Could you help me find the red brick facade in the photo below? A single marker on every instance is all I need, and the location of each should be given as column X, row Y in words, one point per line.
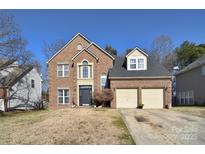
column 100, row 67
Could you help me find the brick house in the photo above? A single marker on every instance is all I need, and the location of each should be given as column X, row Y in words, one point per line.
column 82, row 67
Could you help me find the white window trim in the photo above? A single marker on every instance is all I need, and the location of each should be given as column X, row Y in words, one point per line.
column 79, row 68
column 81, row 47
column 33, row 83
column 187, row 97
column 102, row 77
column 64, row 96
column 138, row 64
column 63, row 68
column 139, row 57
column 133, row 63
column 82, row 67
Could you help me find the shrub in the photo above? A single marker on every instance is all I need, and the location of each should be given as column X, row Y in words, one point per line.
column 103, row 97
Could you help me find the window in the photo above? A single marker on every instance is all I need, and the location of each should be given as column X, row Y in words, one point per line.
column 62, row 70
column 203, row 70
column 63, row 96
column 191, row 97
column 32, row 83
column 91, row 72
column 103, row 81
column 133, row 64
column 85, row 71
column 137, row 63
column 187, row 97
column 79, row 47
column 183, row 98
column 140, row 63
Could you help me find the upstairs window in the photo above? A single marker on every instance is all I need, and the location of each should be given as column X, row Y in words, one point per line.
column 85, row 71
column 140, row 63
column 32, row 83
column 133, row 64
column 62, row 70
column 103, row 82
column 137, row 63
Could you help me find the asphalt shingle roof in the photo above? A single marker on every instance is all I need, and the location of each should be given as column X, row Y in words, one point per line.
column 199, row 62
column 14, row 76
column 154, row 69
column 4, row 63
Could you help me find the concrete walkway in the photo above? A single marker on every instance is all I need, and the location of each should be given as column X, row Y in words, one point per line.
column 164, row 127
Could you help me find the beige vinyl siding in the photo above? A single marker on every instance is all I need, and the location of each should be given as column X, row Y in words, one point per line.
column 152, row 98
column 126, row 98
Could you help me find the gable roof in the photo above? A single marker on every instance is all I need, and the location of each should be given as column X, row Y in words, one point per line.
column 14, row 76
column 4, row 63
column 101, row 50
column 78, row 34
column 154, row 70
column 140, row 50
column 85, row 49
column 197, row 63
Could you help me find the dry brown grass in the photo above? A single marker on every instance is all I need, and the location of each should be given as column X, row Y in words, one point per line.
column 65, row 126
column 193, row 110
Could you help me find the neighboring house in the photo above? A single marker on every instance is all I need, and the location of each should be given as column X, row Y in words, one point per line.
column 20, row 86
column 190, row 83
column 82, row 67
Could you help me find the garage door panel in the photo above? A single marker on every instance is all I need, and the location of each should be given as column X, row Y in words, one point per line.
column 152, row 98
column 126, row 98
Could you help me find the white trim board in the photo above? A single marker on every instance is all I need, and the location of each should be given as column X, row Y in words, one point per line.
column 78, row 34
column 151, row 77
column 85, row 49
column 91, row 43
column 140, row 50
column 101, row 50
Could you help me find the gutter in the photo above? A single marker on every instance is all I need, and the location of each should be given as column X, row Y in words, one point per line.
column 152, row 77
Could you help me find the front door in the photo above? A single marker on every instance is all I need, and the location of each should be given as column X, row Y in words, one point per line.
column 85, row 95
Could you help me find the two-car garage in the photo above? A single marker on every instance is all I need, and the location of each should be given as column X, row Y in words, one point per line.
column 129, row 98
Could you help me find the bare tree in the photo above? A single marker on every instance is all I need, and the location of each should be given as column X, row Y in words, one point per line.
column 49, row 49
column 170, row 60
column 12, row 45
column 161, row 46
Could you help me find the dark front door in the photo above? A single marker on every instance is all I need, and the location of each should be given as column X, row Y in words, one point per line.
column 85, row 95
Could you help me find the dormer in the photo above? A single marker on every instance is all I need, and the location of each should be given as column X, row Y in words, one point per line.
column 136, row 60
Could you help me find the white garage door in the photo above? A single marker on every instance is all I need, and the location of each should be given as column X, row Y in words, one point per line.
column 152, row 98
column 126, row 98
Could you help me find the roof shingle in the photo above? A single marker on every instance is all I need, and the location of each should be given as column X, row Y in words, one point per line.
column 154, row 70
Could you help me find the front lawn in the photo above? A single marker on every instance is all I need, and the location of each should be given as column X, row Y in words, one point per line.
column 193, row 110
column 64, row 126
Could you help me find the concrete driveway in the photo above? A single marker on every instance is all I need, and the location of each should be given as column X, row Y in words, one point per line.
column 164, row 127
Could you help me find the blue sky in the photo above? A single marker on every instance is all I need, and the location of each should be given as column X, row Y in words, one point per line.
column 121, row 28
